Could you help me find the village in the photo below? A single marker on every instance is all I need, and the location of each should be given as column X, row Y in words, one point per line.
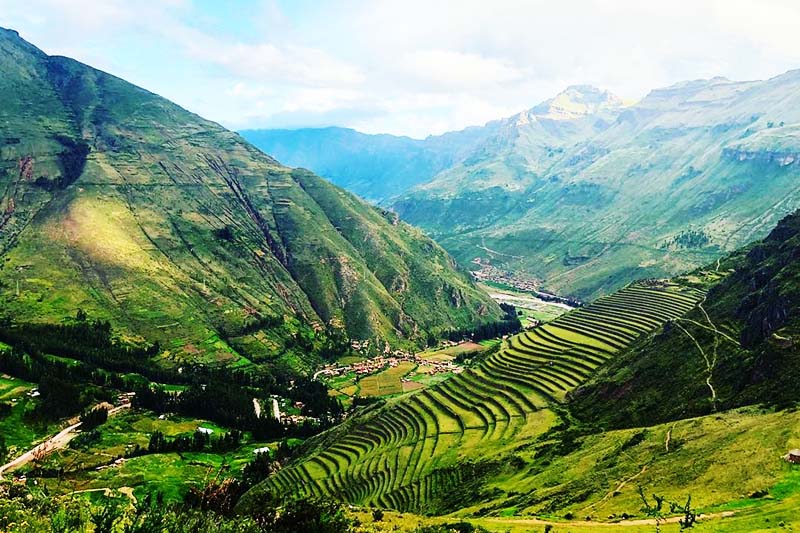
column 382, row 362
column 488, row 272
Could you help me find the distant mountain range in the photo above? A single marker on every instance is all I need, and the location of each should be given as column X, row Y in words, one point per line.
column 583, row 191
column 118, row 202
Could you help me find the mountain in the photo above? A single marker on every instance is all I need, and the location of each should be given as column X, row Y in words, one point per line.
column 440, row 450
column 681, row 388
column 118, row 202
column 739, row 347
column 375, row 167
column 585, row 192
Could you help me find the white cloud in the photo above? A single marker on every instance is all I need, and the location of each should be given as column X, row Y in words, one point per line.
column 451, row 69
column 417, row 66
column 267, row 62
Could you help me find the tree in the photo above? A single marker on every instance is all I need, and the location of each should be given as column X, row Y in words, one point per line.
column 655, row 510
column 93, row 418
column 689, row 514
column 104, row 517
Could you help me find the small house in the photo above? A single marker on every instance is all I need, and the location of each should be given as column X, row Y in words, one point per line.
column 793, row 456
column 206, row 431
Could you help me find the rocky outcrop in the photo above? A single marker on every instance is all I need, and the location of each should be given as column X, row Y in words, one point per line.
column 779, row 158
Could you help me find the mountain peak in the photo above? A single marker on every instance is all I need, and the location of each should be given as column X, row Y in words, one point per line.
column 577, row 101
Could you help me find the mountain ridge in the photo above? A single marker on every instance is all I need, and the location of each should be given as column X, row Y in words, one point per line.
column 119, row 202
column 594, row 200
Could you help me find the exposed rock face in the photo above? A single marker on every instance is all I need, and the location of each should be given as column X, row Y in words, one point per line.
column 781, row 159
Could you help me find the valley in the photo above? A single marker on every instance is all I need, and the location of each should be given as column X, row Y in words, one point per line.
column 501, row 402
column 582, row 317
column 585, row 192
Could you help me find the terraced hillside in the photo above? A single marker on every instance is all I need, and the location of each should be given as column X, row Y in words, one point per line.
column 412, row 453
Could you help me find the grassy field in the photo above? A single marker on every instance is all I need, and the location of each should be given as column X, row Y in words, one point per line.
column 18, row 432
column 449, row 353
column 729, row 463
column 526, row 302
column 386, row 383
column 12, row 388
column 170, row 473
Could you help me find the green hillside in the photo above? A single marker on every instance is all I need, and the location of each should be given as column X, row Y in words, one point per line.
column 739, row 347
column 115, row 201
column 437, row 451
column 683, row 389
column 686, row 175
column 585, row 192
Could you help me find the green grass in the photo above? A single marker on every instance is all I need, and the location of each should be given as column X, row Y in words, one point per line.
column 13, row 388
column 386, row 382
column 477, row 417
column 170, row 473
column 185, row 234
column 19, row 432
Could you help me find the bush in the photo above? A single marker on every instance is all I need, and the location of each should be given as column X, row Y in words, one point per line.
column 85, row 439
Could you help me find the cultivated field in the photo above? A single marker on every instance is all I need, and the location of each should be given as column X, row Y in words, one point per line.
column 387, row 382
column 417, row 450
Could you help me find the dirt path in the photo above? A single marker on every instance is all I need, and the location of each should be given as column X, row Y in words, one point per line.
column 668, row 438
column 128, row 491
column 709, row 364
column 616, row 489
column 257, row 408
column 57, row 441
column 594, row 524
column 483, row 247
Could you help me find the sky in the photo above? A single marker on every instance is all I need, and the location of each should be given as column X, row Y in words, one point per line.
column 406, row 67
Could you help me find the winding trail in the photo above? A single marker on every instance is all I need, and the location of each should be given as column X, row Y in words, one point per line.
column 616, row 489
column 709, row 366
column 668, row 438
column 57, row 441
column 712, row 362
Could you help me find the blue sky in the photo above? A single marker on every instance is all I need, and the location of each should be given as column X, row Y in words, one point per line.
column 413, row 67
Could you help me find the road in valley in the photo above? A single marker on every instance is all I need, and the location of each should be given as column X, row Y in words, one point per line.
column 57, row 441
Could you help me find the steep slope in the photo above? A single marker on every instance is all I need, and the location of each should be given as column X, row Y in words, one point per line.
column 572, row 423
column 431, row 451
column 586, row 193
column 375, row 167
column 690, row 172
column 119, row 202
column 738, row 348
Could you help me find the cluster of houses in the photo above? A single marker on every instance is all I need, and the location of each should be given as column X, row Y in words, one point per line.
column 363, row 347
column 489, row 272
column 114, row 464
column 283, row 416
column 382, row 362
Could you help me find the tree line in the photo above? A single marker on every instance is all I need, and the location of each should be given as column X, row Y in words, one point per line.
column 508, row 325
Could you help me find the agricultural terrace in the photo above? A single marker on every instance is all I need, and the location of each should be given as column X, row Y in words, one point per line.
column 415, row 448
